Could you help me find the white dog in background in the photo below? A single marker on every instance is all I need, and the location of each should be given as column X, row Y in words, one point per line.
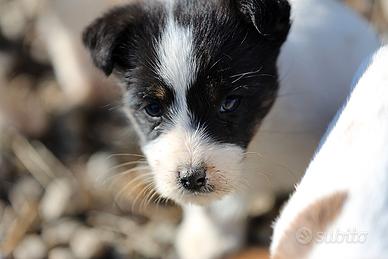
column 340, row 208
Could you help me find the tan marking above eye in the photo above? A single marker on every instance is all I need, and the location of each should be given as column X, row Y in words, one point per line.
column 159, row 92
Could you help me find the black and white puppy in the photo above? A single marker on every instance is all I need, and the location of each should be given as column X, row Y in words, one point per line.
column 200, row 78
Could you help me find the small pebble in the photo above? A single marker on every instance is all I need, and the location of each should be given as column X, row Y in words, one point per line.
column 25, row 190
column 61, row 253
column 86, row 244
column 32, row 247
column 57, row 199
column 60, row 232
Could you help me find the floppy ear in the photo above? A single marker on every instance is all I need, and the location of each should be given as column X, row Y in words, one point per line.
column 101, row 37
column 271, row 18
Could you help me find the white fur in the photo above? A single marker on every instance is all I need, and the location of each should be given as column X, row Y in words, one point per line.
column 177, row 63
column 353, row 159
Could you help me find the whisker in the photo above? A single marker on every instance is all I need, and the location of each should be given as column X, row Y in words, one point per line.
column 141, row 178
column 158, row 200
column 151, row 199
column 129, row 171
column 128, row 163
column 242, row 75
column 246, row 35
column 260, row 75
column 148, row 199
column 239, row 87
column 125, row 154
column 147, row 188
column 215, row 63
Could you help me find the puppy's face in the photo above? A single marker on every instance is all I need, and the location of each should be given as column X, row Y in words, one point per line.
column 199, row 76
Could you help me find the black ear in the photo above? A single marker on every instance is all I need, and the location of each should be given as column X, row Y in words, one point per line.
column 271, row 18
column 103, row 35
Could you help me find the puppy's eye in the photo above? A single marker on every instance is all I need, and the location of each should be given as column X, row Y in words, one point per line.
column 230, row 104
column 154, row 109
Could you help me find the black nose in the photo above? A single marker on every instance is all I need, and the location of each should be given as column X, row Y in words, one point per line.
column 194, row 179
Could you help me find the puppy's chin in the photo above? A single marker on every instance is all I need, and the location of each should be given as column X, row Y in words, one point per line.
column 201, row 199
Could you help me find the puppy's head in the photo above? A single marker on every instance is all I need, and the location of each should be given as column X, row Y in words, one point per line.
column 199, row 77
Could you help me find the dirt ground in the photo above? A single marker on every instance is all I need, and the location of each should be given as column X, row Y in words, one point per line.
column 69, row 163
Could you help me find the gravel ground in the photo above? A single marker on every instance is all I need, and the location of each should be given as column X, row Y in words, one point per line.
column 71, row 182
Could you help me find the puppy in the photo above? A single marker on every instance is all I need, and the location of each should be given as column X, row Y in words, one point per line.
column 339, row 209
column 218, row 101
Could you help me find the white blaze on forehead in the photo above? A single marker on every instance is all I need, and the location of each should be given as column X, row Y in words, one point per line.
column 177, row 64
column 176, row 60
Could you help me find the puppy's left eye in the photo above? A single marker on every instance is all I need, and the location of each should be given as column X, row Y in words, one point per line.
column 154, row 109
column 230, row 104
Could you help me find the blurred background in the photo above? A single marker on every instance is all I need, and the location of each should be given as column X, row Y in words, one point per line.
column 70, row 169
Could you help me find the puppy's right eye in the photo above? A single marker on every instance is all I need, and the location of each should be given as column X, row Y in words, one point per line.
column 154, row 109
column 230, row 104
